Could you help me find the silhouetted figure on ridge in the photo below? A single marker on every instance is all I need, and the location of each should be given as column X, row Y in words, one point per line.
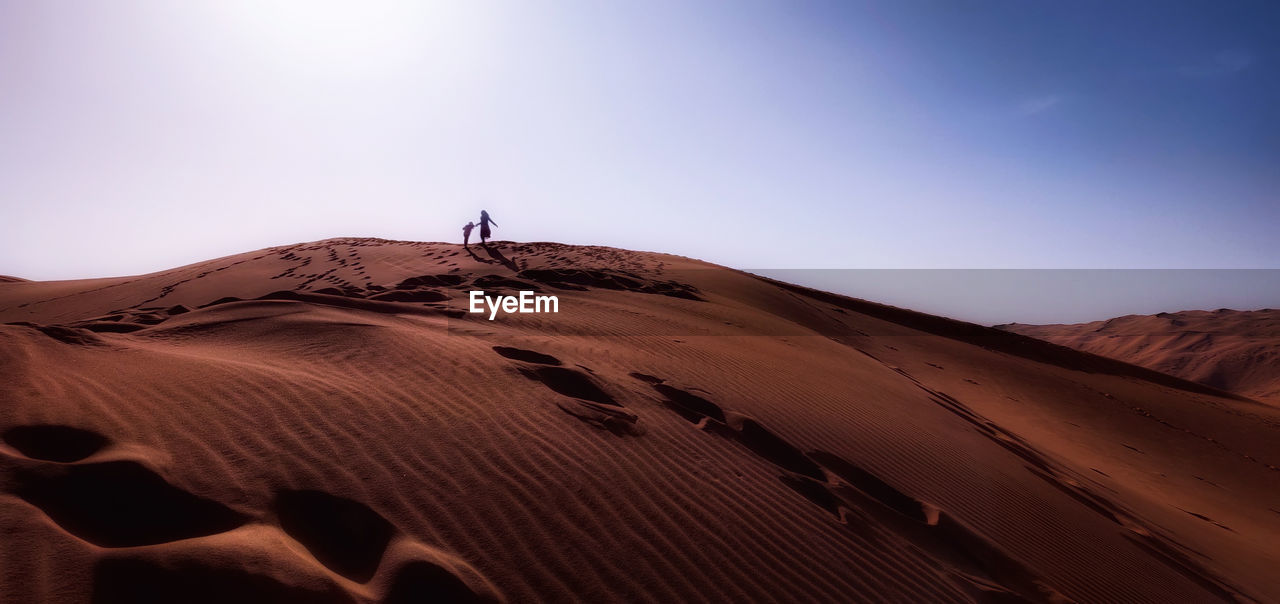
column 466, row 232
column 484, row 226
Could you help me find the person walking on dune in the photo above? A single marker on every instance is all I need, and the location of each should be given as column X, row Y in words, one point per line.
column 484, row 226
column 466, row 232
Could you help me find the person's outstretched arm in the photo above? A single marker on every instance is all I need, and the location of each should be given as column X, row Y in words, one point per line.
column 495, row 222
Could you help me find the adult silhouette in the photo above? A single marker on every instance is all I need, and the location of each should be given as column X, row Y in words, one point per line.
column 484, row 226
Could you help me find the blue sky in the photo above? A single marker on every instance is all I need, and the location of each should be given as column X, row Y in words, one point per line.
column 142, row 135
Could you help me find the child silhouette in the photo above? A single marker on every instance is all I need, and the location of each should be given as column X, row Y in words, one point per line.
column 466, row 232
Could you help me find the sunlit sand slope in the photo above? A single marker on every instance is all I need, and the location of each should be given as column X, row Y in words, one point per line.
column 325, row 422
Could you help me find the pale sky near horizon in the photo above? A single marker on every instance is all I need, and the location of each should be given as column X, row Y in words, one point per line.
column 137, row 136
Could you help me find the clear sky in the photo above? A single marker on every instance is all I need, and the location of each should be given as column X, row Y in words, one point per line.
column 137, row 136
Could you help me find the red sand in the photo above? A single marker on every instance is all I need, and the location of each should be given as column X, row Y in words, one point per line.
column 273, row 427
column 1237, row 351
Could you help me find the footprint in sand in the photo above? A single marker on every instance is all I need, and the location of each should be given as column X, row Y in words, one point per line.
column 863, row 501
column 121, row 504
column 169, row 545
column 343, row 534
column 54, row 442
column 352, row 540
column 527, row 356
column 580, row 279
column 66, row 335
column 586, row 400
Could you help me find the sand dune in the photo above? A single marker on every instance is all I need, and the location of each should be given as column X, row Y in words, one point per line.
column 324, row 422
column 1237, row 351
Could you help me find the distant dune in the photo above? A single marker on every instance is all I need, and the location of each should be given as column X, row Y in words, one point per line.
column 325, row 422
column 8, row 279
column 1237, row 351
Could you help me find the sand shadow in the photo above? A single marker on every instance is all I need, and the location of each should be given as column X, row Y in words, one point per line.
column 475, row 257
column 344, row 535
column 422, row 581
column 52, row 442
column 122, row 504
column 496, row 254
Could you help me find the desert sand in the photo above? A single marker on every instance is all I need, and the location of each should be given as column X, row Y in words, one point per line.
column 323, row 422
column 1235, row 350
